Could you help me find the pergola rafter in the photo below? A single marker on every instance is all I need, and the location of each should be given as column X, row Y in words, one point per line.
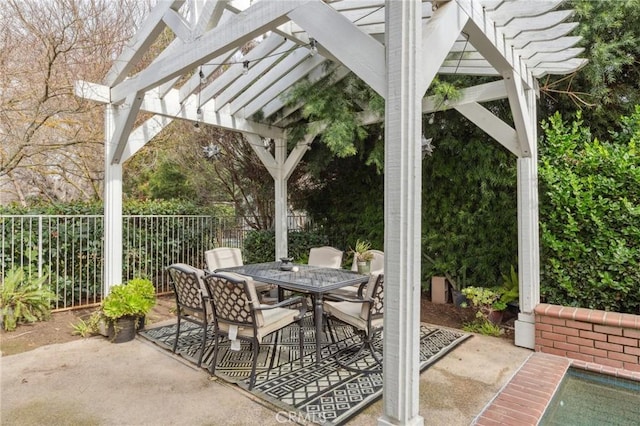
column 397, row 48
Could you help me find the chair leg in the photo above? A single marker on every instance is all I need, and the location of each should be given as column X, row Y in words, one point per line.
column 252, row 380
column 203, row 343
column 212, row 367
column 301, row 342
column 366, row 344
column 275, row 349
column 175, row 343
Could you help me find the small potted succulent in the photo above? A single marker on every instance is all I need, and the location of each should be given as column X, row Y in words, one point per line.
column 362, row 256
column 124, row 307
column 122, row 312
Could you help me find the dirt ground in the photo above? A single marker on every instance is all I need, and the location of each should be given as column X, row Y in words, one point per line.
column 59, row 330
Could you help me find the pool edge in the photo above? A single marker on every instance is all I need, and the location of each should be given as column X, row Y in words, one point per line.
column 525, row 397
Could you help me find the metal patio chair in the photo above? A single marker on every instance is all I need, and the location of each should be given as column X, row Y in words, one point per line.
column 365, row 315
column 228, row 257
column 192, row 301
column 326, row 257
column 239, row 315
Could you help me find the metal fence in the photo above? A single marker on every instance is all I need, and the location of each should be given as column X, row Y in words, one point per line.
column 69, row 249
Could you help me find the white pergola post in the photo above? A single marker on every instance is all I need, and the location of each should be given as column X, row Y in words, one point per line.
column 528, row 239
column 112, row 267
column 402, row 218
column 280, row 183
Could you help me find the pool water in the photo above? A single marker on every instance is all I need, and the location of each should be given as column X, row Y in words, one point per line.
column 585, row 398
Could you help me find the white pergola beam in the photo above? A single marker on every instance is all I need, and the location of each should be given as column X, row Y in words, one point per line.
column 169, row 106
column 140, row 43
column 143, row 134
column 521, row 114
column 266, row 48
column 492, row 125
column 178, row 25
column 492, row 44
column 124, row 123
column 238, row 30
column 440, row 33
column 402, row 215
column 358, row 51
column 280, row 86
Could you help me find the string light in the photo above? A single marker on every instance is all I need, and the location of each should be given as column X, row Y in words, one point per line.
column 245, row 67
column 313, row 48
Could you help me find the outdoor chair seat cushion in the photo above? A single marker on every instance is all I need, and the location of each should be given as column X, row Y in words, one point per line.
column 351, row 290
column 350, row 313
column 273, row 320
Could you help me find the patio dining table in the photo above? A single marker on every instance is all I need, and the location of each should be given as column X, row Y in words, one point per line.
column 308, row 279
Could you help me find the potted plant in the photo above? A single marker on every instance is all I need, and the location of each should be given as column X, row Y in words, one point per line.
column 362, row 256
column 489, row 309
column 124, row 307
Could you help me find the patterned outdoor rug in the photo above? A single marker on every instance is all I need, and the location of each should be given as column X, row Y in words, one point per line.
column 325, row 393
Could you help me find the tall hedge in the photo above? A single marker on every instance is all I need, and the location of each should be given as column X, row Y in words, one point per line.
column 590, row 216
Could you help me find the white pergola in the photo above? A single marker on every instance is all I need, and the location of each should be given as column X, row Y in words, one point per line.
column 397, row 48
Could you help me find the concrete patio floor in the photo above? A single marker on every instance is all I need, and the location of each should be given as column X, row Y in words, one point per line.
column 94, row 382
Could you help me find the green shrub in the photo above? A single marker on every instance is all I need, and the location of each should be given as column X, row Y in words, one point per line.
column 24, row 300
column 590, row 216
column 260, row 246
column 136, row 298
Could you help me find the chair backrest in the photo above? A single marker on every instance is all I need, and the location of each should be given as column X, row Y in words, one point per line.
column 188, row 286
column 326, row 257
column 222, row 257
column 377, row 263
column 234, row 299
column 375, row 292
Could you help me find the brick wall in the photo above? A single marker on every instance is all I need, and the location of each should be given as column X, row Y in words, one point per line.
column 607, row 338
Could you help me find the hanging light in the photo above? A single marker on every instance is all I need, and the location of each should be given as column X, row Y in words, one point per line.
column 201, row 74
column 313, row 46
column 196, row 126
column 245, row 67
column 212, row 151
column 427, row 147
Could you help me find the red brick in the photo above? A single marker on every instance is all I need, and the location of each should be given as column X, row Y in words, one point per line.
column 630, row 321
column 554, row 351
column 582, row 315
column 565, row 330
column 632, row 351
column 580, row 325
column 544, row 342
column 609, row 346
column 485, row 421
column 612, row 319
column 609, row 362
column 553, row 310
column 593, row 336
column 566, row 346
column 632, row 367
column 554, row 336
column 515, row 411
column 607, row 329
column 634, row 334
column 580, row 357
column 552, row 320
column 597, row 317
column 543, row 327
column 593, row 351
column 580, row 341
column 624, row 341
column 623, row 357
